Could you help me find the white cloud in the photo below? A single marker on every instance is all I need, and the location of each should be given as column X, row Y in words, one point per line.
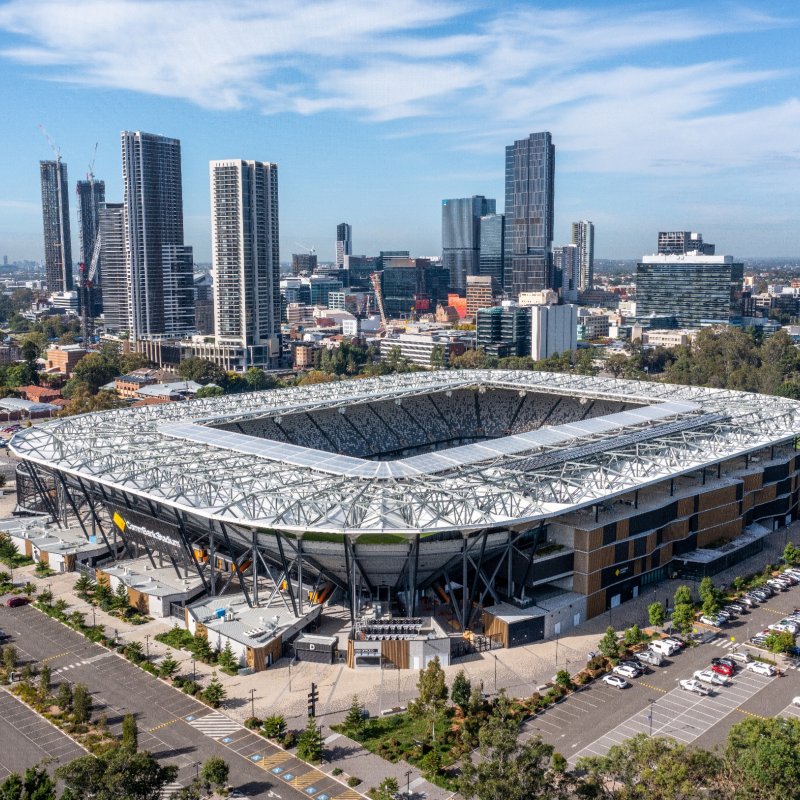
column 597, row 77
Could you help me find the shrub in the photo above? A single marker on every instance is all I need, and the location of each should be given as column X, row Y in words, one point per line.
column 274, row 727
column 352, row 781
column 252, row 723
column 336, row 771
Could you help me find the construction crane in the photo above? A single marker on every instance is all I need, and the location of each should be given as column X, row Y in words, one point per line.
column 375, row 279
column 90, row 173
column 88, row 277
column 56, row 149
column 312, row 251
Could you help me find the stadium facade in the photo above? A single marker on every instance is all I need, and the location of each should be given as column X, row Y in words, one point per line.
column 519, row 503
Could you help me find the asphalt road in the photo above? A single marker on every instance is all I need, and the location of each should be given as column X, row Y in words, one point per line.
column 594, row 718
column 176, row 728
column 27, row 739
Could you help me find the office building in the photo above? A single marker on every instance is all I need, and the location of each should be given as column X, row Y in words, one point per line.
column 159, row 264
column 504, row 330
column 567, row 266
column 116, row 305
column 55, row 216
column 530, row 167
column 304, row 263
column 461, row 236
column 359, row 268
column 245, row 257
column 678, row 243
column 344, row 243
column 554, row 330
column 490, row 259
column 583, row 239
column 697, row 290
column 480, row 293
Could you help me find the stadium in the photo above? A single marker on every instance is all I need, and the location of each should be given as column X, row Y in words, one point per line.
column 510, row 504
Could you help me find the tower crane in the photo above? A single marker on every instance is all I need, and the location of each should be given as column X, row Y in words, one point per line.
column 90, row 173
column 56, row 149
column 375, row 279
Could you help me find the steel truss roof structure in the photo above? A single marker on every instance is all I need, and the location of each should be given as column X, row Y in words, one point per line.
column 170, row 454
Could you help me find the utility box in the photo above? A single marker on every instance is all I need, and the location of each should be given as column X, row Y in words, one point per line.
column 319, row 649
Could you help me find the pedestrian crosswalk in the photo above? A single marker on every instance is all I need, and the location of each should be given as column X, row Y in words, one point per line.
column 726, row 643
column 214, row 725
column 170, row 790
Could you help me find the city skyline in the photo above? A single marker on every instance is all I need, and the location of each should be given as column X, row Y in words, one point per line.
column 638, row 103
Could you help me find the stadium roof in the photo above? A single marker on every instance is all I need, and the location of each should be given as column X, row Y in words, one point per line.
column 170, row 455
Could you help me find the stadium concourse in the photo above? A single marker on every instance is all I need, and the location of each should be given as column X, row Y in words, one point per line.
column 513, row 505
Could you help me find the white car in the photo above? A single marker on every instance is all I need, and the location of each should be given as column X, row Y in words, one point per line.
column 796, row 701
column 783, row 627
column 714, row 622
column 616, row 681
column 761, row 668
column 691, row 685
column 625, row 671
column 714, row 678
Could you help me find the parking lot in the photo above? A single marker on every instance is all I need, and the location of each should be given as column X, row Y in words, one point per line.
column 595, row 718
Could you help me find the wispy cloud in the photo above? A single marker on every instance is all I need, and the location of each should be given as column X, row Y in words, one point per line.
column 435, row 67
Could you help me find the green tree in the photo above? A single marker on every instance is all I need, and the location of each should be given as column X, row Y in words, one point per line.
column 632, row 635
column 227, row 660
column 437, row 356
column 9, row 658
column 683, row 617
column 609, row 644
column 509, row 770
column 168, row 667
column 130, row 733
column 29, row 588
column 215, row 770
column 563, row 678
column 655, row 768
column 791, row 554
column 64, row 697
column 215, row 692
column 309, row 743
column 388, row 789
column 119, row 599
column 134, row 652
column 354, row 719
column 44, row 682
column 200, row 648
column 209, row 391
column 45, row 598
column 35, row 784
column 762, row 757
column 83, row 586
column 93, row 371
column 258, row 380
column 103, row 595
column 710, row 596
column 460, row 691
column 274, row 727
column 656, row 614
column 683, row 594
column 200, row 370
column 81, row 704
column 119, row 774
column 431, row 688
column 779, row 642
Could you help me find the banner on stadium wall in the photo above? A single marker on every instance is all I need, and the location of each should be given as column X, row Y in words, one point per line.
column 148, row 532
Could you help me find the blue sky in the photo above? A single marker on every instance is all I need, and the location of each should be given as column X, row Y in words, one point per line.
column 664, row 116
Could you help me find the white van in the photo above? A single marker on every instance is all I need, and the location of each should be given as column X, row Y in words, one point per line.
column 664, row 648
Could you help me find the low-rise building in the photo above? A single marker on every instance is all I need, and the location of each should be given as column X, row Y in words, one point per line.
column 554, row 330
column 63, row 357
column 592, row 325
column 667, row 338
column 128, row 385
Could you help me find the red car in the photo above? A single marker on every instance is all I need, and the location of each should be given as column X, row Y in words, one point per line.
column 13, row 602
column 722, row 669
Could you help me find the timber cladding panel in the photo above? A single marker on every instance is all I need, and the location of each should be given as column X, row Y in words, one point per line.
column 766, row 494
column 755, row 480
column 595, row 604
column 623, row 528
column 717, row 497
column 492, row 626
column 139, row 600
column 397, row 651
column 351, row 654
column 685, row 506
column 717, row 516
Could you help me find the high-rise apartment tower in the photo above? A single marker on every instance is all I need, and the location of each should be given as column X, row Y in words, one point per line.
column 55, row 216
column 245, row 254
column 116, row 304
column 91, row 198
column 583, row 238
column 461, row 236
column 530, row 168
column 344, row 243
column 490, row 261
column 159, row 264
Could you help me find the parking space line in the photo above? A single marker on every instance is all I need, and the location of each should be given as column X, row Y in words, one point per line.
column 751, row 714
column 650, row 686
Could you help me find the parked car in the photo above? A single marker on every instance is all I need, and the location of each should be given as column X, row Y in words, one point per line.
column 750, row 602
column 616, row 681
column 709, row 676
column 13, row 602
column 625, row 671
column 796, row 701
column 635, row 665
column 736, row 608
column 741, row 657
column 762, row 594
column 679, row 640
column 3, row 636
column 691, row 685
column 723, row 669
column 783, row 627
column 760, row 668
column 791, row 577
column 781, row 586
column 714, row 622
column 649, row 657
column 724, row 660
column 665, row 647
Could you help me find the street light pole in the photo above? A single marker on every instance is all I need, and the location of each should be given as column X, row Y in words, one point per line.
column 194, row 673
column 147, row 640
column 495, row 672
column 408, row 782
column 252, row 703
column 652, row 702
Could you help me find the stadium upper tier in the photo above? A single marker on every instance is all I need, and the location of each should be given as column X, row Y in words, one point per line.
column 414, row 453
